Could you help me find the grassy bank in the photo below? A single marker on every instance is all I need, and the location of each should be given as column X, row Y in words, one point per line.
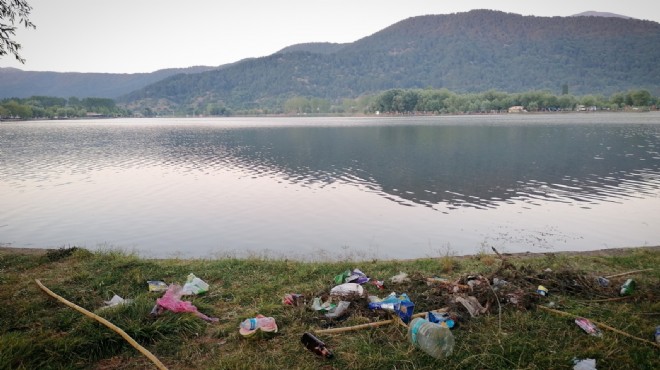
column 38, row 332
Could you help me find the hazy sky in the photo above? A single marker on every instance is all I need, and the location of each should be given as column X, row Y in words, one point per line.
column 128, row 36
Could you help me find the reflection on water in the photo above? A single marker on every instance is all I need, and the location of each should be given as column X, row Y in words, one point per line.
column 265, row 176
column 458, row 166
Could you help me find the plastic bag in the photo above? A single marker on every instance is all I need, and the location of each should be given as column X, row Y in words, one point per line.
column 171, row 300
column 347, row 289
column 195, row 285
column 588, row 326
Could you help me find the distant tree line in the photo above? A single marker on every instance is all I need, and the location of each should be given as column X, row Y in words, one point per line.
column 37, row 107
column 394, row 101
column 443, row 101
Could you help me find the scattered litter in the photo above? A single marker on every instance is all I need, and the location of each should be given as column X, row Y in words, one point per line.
column 628, row 287
column 156, row 310
column 157, row 286
column 324, row 307
column 116, row 301
column 348, row 276
column 657, row 334
column 171, row 300
column 194, row 285
column 452, row 286
column 347, row 289
column 586, row 364
column 588, row 327
column 402, row 277
column 315, row 345
column 260, row 323
column 380, row 284
column 401, row 304
column 441, row 318
column 602, row 281
column 339, row 310
column 431, row 338
column 473, row 281
column 472, row 305
column 498, row 283
column 542, row 290
column 293, row 299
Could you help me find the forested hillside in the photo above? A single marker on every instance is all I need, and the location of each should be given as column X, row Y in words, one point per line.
column 16, row 83
column 476, row 51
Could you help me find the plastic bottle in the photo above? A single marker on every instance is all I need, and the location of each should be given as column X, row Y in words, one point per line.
column 435, row 340
column 315, row 345
column 259, row 322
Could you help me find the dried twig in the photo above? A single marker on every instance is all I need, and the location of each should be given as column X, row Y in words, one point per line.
column 627, row 273
column 600, row 325
column 499, row 306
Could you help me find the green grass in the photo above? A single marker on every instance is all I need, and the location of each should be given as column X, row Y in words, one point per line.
column 38, row 332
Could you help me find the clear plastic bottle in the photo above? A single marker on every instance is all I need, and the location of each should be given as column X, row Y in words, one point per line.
column 437, row 341
column 259, row 322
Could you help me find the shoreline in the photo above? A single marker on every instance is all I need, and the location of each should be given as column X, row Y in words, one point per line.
column 592, row 253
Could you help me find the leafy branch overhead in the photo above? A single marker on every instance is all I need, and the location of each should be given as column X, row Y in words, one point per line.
column 13, row 12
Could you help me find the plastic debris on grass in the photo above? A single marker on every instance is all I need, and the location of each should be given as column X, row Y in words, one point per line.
column 588, row 327
column 116, row 301
column 157, row 286
column 293, row 299
column 355, row 276
column 400, row 304
column 258, row 326
column 194, row 285
column 171, row 301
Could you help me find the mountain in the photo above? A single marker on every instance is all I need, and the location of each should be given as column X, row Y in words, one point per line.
column 592, row 13
column 313, row 47
column 16, row 83
column 475, row 51
column 463, row 52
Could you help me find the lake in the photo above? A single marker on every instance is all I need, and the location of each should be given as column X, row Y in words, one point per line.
column 333, row 188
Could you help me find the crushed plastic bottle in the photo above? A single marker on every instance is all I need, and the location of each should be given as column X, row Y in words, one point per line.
column 437, row 341
column 259, row 323
column 315, row 345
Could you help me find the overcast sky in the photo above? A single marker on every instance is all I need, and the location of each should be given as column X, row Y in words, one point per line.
column 129, row 36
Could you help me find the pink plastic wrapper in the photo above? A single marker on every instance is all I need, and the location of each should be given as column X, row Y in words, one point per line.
column 588, row 327
column 171, row 300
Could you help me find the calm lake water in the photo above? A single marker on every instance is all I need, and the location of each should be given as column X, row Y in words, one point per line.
column 333, row 188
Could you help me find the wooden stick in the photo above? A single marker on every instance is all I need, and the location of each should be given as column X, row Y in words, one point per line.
column 600, row 325
column 371, row 324
column 107, row 323
column 627, row 273
column 609, row 299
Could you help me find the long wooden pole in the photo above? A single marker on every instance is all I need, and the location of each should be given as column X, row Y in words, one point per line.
column 371, row 324
column 107, row 323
